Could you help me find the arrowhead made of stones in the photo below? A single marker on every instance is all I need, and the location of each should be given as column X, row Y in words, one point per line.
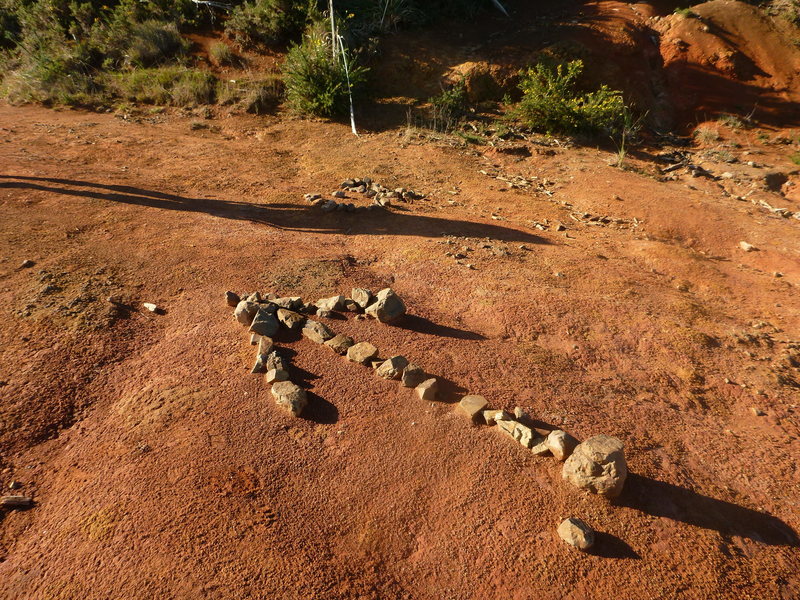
column 361, row 296
column 340, row 343
column 412, row 376
column 290, row 396
column 387, row 306
column 597, row 465
column 472, row 406
column 317, row 332
column 363, row 352
column 560, row 443
column 332, row 303
column 232, row 299
column 290, row 319
column 427, row 389
column 265, row 322
column 576, row 533
column 392, row 368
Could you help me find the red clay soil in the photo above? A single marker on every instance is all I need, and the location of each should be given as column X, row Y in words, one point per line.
column 161, row 468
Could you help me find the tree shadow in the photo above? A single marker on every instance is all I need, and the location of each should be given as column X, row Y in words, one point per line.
column 283, row 215
column 610, row 546
column 426, row 326
column 663, row 499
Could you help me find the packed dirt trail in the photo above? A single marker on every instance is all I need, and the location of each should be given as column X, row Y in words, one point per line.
column 161, row 468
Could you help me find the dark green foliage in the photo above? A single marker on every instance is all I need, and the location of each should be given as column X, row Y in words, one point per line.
column 316, row 81
column 267, row 22
column 552, row 103
column 449, row 108
column 154, row 43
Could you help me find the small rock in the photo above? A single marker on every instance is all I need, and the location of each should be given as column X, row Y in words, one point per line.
column 472, row 406
column 274, row 375
column 232, row 299
column 757, row 411
column 265, row 323
column 392, row 368
column 317, row 332
column 747, row 247
column 328, row 206
column 254, row 297
column 597, row 465
column 519, row 413
column 293, row 303
column 290, row 319
column 312, row 197
column 27, row 264
column 540, row 448
column 376, row 363
column 153, row 308
column 254, row 337
column 14, row 485
column 332, row 303
column 361, row 296
column 12, row 502
column 245, row 312
column 274, row 361
column 339, row 194
column 491, row 416
column 412, row 376
column 351, row 305
column 576, row 533
column 340, row 343
column 290, row 396
column 363, row 352
column 259, row 366
column 265, row 344
column 427, row 389
column 325, row 314
column 387, row 306
column 560, row 443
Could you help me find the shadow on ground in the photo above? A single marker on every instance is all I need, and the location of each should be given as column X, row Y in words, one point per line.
column 680, row 504
column 281, row 215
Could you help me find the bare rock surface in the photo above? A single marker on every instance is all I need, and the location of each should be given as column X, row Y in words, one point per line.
column 598, row 466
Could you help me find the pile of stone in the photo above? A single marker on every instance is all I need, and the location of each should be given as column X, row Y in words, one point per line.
column 265, row 316
column 382, row 197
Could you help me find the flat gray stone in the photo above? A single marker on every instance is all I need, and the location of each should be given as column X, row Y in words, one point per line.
column 471, row 406
column 290, row 319
column 392, row 368
column 363, row 352
column 290, row 303
column 598, row 466
column 340, row 343
column 361, row 296
column 412, row 376
column 428, row 389
column 290, row 396
column 317, row 332
column 265, row 345
column 275, row 361
column 245, row 312
column 265, row 321
column 576, row 533
column 333, row 303
column 387, row 306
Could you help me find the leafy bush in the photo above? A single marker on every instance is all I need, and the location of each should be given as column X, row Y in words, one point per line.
column 221, row 54
column 449, row 107
column 552, row 103
column 175, row 85
column 316, row 81
column 266, row 21
column 154, row 43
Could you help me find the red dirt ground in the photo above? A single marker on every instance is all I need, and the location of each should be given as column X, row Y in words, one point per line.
column 162, row 468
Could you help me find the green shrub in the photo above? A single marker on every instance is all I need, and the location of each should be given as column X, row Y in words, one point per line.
column 551, row 102
column 795, row 158
column 153, row 43
column 266, row 22
column 449, row 108
column 221, row 54
column 174, row 85
column 316, row 81
column 257, row 97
